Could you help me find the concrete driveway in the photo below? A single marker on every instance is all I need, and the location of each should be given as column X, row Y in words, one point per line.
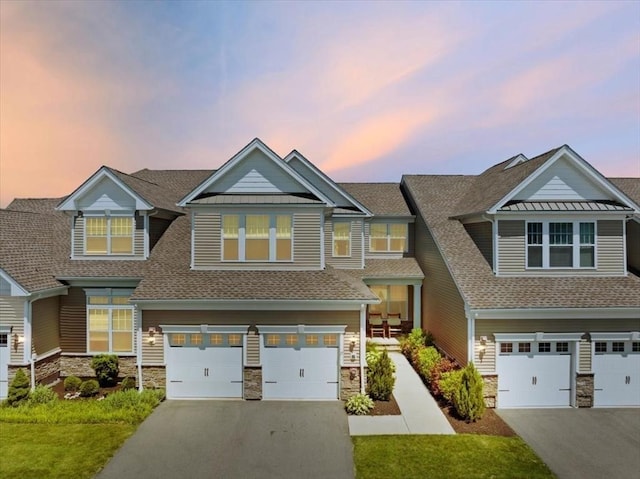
column 581, row 443
column 238, row 439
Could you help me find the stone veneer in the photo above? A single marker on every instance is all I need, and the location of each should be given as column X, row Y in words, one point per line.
column 252, row 383
column 349, row 382
column 490, row 390
column 584, row 390
column 47, row 370
column 81, row 366
column 154, row 377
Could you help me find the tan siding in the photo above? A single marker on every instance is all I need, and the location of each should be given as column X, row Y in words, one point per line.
column 206, row 240
column 347, row 353
column 306, row 240
column 73, row 322
column 511, row 246
column 154, row 354
column 584, row 356
column 442, row 306
column 138, row 235
column 45, row 326
column 253, row 350
column 482, row 236
column 12, row 314
column 355, row 260
column 78, row 236
column 487, row 328
column 610, row 247
column 633, row 245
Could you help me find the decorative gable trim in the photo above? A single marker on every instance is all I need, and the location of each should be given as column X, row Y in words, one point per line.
column 70, row 203
column 582, row 165
column 319, row 175
column 256, row 144
column 14, row 288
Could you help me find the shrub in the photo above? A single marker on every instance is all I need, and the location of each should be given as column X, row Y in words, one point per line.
column 449, row 383
column 429, row 339
column 427, row 360
column 359, row 405
column 128, row 383
column 72, row 383
column 89, row 388
column 19, row 389
column 380, row 378
column 374, row 355
column 443, row 366
column 42, row 395
column 106, row 368
column 468, row 398
column 410, row 344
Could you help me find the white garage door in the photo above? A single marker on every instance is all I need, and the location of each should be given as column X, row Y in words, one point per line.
column 534, row 374
column 204, row 366
column 300, row 366
column 616, row 373
column 4, row 361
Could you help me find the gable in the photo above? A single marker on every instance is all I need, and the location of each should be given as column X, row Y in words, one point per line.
column 9, row 287
column 562, row 181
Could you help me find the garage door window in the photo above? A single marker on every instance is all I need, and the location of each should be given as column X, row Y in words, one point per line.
column 601, row 347
column 195, row 339
column 234, row 339
column 506, row 348
column 524, row 347
column 291, row 339
column 177, row 339
column 544, row 347
column 617, row 347
column 636, row 347
column 562, row 347
column 311, row 339
column 272, row 340
column 301, row 340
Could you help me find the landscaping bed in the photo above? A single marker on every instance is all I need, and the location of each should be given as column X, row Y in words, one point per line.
column 385, row 408
column 490, row 424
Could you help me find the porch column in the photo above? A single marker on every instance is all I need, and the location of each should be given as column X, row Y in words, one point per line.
column 417, row 302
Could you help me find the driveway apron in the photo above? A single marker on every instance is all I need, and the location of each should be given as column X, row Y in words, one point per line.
column 238, row 439
column 582, row 443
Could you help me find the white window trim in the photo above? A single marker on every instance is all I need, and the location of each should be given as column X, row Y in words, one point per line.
column 242, row 238
column 108, row 217
column 389, row 250
column 333, row 240
column 575, row 245
column 110, row 307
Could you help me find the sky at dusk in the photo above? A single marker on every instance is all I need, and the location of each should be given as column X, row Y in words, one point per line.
column 365, row 90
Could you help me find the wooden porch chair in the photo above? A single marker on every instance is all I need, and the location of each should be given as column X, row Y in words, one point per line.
column 375, row 324
column 394, row 324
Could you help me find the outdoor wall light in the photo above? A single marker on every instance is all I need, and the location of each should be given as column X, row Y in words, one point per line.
column 152, row 335
column 352, row 345
column 17, row 340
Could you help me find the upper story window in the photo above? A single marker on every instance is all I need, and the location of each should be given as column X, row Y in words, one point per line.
column 342, row 238
column 109, row 235
column 109, row 321
column 388, row 237
column 569, row 244
column 257, row 238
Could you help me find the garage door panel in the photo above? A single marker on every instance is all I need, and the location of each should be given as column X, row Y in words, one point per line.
column 616, row 379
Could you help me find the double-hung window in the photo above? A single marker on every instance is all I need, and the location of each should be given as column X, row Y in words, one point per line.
column 257, row 238
column 342, row 238
column 108, row 235
column 109, row 321
column 561, row 244
column 388, row 237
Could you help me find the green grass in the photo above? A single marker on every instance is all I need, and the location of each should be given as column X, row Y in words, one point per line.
column 457, row 456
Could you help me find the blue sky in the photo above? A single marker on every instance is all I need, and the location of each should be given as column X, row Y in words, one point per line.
column 365, row 90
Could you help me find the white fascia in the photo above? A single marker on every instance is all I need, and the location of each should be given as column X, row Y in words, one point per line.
column 515, row 314
column 250, row 305
column 16, row 288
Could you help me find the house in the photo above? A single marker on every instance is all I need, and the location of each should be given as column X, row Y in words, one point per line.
column 531, row 273
column 251, row 281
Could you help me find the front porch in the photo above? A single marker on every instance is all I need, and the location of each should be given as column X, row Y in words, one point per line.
column 390, row 344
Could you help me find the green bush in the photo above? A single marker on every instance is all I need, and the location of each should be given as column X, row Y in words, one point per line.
column 42, row 395
column 359, row 405
column 72, row 383
column 128, row 383
column 19, row 389
column 449, row 383
column 106, row 368
column 412, row 343
column 427, row 361
column 468, row 399
column 443, row 366
column 380, row 379
column 89, row 388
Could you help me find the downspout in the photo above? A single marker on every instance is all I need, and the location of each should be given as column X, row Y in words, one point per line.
column 471, row 333
column 28, row 343
column 138, row 315
column 494, row 243
column 363, row 344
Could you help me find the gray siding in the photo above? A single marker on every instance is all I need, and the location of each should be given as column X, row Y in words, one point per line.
column 253, row 350
column 482, row 236
column 12, row 314
column 610, row 247
column 633, row 245
column 511, row 246
column 73, row 321
column 45, row 325
column 355, row 260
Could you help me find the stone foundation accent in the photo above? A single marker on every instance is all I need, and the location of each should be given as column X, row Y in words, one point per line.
column 349, row 382
column 81, row 366
column 584, row 390
column 252, row 383
column 154, row 377
column 490, row 390
column 47, row 370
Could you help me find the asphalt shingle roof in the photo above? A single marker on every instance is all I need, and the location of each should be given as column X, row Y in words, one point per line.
column 382, row 199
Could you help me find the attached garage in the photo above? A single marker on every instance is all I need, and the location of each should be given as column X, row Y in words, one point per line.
column 301, row 362
column 204, row 361
column 535, row 370
column 616, row 369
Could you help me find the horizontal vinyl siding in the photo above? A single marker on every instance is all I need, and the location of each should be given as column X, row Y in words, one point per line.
column 73, row 321
column 253, row 350
column 486, row 327
column 78, row 236
column 45, row 325
column 610, row 247
column 306, row 240
column 12, row 314
column 442, row 306
column 482, row 236
column 154, row 354
column 355, row 260
column 511, row 246
column 138, row 236
column 584, row 356
column 633, row 244
column 206, row 240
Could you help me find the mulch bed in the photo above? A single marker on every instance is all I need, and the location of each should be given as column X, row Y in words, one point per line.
column 385, row 408
column 58, row 388
column 491, row 424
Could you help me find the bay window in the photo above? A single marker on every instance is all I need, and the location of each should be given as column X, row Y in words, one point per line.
column 108, row 235
column 256, row 238
column 388, row 237
column 342, row 239
column 561, row 244
column 109, row 322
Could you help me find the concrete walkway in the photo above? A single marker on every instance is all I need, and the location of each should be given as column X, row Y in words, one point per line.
column 420, row 413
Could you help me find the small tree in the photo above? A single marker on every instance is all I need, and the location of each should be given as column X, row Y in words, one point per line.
column 106, row 368
column 19, row 389
column 380, row 378
column 468, row 399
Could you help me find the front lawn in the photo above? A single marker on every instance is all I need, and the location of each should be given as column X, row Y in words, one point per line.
column 442, row 457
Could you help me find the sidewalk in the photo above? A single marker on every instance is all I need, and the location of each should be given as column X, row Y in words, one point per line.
column 420, row 413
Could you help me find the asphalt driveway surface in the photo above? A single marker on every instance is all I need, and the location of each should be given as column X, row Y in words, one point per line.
column 238, row 439
column 582, row 443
